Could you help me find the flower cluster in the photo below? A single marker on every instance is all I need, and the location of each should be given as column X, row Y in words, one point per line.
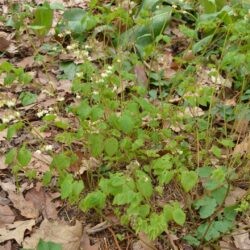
column 42, row 113
column 106, row 74
column 9, row 103
column 80, row 54
column 10, row 117
column 47, row 148
column 66, row 32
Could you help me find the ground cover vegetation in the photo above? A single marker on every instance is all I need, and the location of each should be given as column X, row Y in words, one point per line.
column 129, row 120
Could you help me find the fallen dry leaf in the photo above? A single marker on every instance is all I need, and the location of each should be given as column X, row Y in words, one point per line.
column 226, row 243
column 16, row 230
column 243, row 147
column 85, row 243
column 210, row 77
column 59, row 232
column 242, row 240
column 165, row 63
column 40, row 162
column 241, row 126
column 8, row 186
column 6, row 246
column 2, row 163
column 234, row 195
column 27, row 62
column 6, row 216
column 64, row 85
column 90, row 164
column 26, row 208
column 3, row 135
column 3, row 200
column 144, row 243
column 42, row 202
column 141, row 75
column 4, row 44
column 194, row 112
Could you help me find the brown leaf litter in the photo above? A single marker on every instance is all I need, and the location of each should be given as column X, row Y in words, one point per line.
column 16, row 230
column 42, row 202
column 56, row 231
column 26, row 208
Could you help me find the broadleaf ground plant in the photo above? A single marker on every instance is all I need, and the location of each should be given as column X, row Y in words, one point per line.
column 150, row 112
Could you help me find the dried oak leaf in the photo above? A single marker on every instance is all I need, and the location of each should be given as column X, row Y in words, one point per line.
column 27, row 62
column 243, row 147
column 144, row 243
column 141, row 75
column 6, row 216
column 6, row 246
column 242, row 240
column 85, row 243
column 241, row 126
column 40, row 162
column 3, row 135
column 42, row 202
column 8, row 186
column 59, row 232
column 16, row 230
column 2, row 163
column 234, row 196
column 4, row 43
column 26, row 208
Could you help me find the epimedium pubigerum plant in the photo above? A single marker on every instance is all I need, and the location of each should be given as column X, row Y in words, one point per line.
column 156, row 142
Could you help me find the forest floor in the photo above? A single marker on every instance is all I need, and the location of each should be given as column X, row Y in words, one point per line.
column 124, row 125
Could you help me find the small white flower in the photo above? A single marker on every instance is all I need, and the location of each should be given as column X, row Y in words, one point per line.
column 79, row 74
column 87, row 46
column 157, row 7
column 48, row 147
column 11, row 117
column 78, row 96
column 110, row 67
column 60, row 35
column 100, row 81
column 104, row 74
column 5, row 119
column 85, row 53
column 60, row 98
column 69, row 47
column 68, row 32
column 45, row 91
column 17, row 114
column 39, row 114
column 174, row 6
column 42, row 113
column 10, row 103
column 95, row 92
column 38, row 152
column 118, row 60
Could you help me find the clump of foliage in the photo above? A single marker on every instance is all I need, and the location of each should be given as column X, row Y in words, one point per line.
column 155, row 158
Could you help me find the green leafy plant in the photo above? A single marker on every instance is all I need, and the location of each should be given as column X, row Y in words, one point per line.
column 158, row 156
column 14, row 74
column 43, row 19
column 48, row 245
